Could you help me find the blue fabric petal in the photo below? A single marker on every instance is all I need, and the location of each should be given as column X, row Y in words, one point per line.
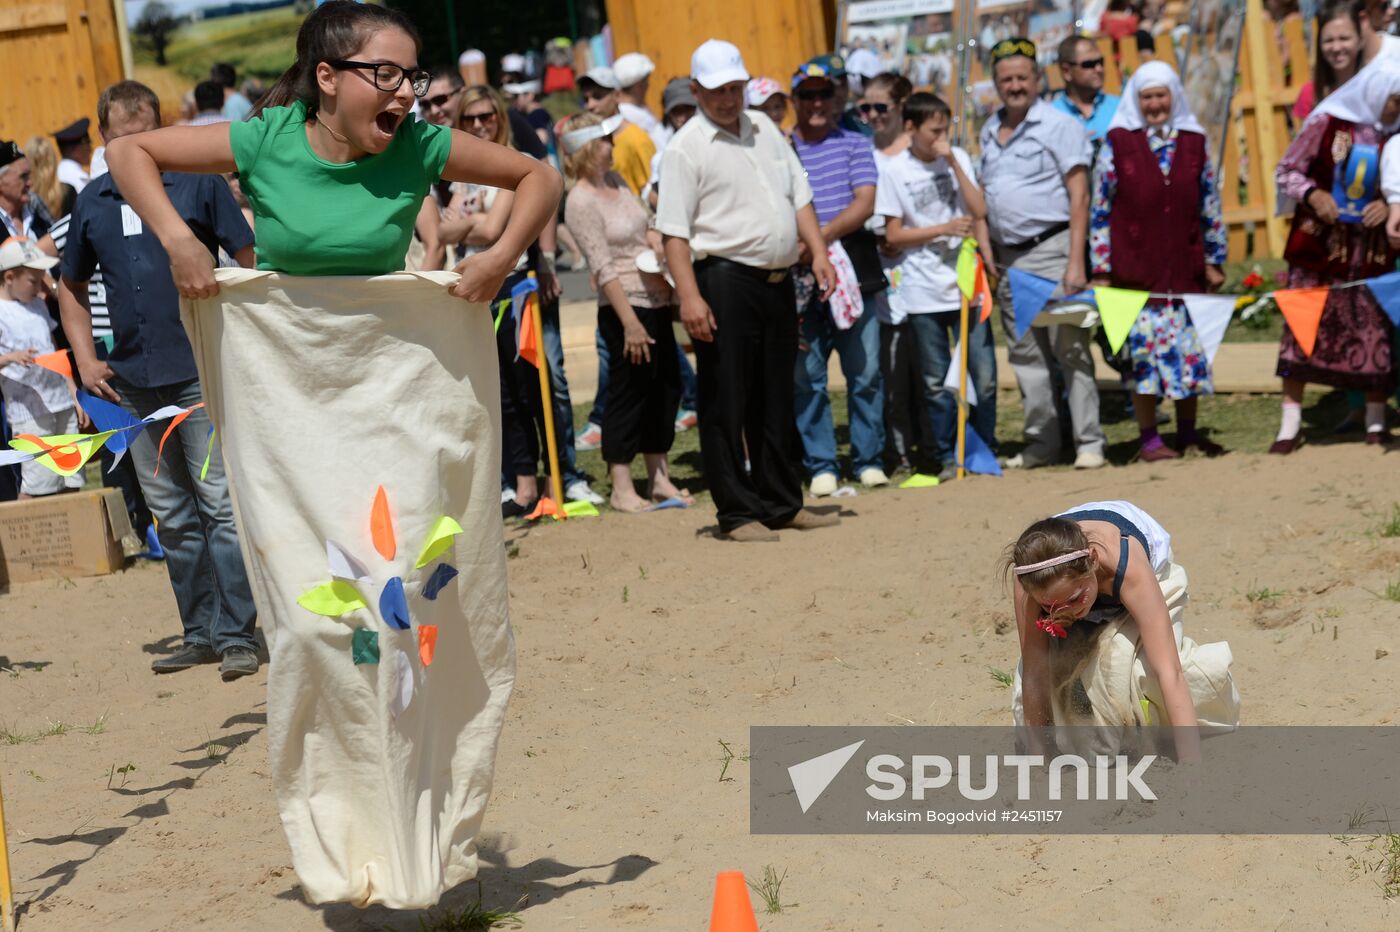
column 107, row 416
column 442, row 575
column 393, row 605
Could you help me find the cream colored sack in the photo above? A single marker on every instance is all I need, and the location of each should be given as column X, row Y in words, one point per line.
column 324, row 391
column 1117, row 678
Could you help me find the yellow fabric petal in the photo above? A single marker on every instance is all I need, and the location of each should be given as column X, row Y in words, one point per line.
column 332, row 599
column 439, row 539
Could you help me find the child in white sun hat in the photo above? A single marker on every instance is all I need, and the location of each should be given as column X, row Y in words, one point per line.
column 38, row 401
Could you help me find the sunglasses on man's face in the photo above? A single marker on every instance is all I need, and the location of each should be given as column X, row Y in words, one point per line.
column 441, row 100
column 1089, row 64
column 868, row 109
column 825, row 93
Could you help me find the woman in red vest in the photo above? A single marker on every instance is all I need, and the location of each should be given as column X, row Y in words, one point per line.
column 1353, row 347
column 1155, row 226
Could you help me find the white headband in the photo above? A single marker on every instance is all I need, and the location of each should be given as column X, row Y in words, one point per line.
column 1053, row 561
column 576, row 139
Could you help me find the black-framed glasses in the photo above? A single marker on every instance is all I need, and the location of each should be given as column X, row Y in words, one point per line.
column 868, row 109
column 822, row 93
column 471, row 119
column 441, row 100
column 388, row 76
column 1089, row 64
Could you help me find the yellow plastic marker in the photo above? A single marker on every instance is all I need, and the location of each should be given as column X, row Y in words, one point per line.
column 919, row 481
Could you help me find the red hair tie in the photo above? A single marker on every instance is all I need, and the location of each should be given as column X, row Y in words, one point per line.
column 1054, row 629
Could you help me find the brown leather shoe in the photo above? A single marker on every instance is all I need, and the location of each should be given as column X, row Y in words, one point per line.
column 1285, row 447
column 750, row 533
column 1378, row 438
column 807, row 520
column 1157, row 452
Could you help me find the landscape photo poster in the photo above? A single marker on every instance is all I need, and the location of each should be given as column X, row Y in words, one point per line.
column 174, row 43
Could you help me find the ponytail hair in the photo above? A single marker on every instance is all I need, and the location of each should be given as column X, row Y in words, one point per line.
column 336, row 29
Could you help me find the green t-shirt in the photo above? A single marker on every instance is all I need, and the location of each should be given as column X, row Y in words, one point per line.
column 315, row 217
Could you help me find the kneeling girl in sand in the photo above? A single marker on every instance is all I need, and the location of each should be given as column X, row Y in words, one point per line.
column 1099, row 604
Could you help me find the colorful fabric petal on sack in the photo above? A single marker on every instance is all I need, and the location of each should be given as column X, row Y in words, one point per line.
column 427, row 643
column 343, row 565
column 393, row 606
column 332, row 599
column 364, row 646
column 441, row 576
column 381, row 527
column 438, row 541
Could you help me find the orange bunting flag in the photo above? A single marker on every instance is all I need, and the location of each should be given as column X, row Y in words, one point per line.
column 427, row 643
column 56, row 362
column 528, row 347
column 983, row 291
column 1302, row 308
column 174, row 423
column 381, row 527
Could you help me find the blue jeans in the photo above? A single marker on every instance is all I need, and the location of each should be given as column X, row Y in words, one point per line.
column 934, row 334
column 859, row 351
column 689, row 384
column 559, row 393
column 194, row 518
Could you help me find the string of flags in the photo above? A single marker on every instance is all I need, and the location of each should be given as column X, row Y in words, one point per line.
column 1118, row 308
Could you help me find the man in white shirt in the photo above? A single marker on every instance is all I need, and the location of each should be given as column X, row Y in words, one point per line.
column 633, row 72
column 734, row 203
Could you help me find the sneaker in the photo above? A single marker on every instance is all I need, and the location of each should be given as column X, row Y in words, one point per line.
column 191, row 655
column 949, row 472
column 1089, row 459
column 507, row 495
column 578, row 491
column 685, row 420
column 154, row 551
column 873, row 477
column 1285, row 447
column 1021, row 461
column 824, row 483
column 1378, row 438
column 806, row 520
column 238, row 661
column 590, row 439
column 749, row 533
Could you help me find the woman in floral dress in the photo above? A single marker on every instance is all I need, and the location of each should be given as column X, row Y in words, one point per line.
column 1354, row 344
column 1155, row 226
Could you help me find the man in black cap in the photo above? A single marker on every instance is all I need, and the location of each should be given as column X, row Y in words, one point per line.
column 76, row 150
column 17, row 214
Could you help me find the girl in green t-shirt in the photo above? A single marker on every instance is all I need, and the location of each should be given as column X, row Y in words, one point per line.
column 334, row 164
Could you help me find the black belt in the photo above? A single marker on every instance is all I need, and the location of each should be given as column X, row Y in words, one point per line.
column 1034, row 241
column 770, row 276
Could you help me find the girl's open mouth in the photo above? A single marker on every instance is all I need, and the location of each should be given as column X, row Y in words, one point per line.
column 387, row 122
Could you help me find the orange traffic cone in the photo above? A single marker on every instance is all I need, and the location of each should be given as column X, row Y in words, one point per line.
column 732, row 911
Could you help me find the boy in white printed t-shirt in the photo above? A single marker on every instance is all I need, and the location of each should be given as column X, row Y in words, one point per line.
column 931, row 201
column 37, row 400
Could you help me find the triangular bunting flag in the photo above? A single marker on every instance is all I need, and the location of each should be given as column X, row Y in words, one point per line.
column 967, row 268
column 56, row 362
column 983, row 290
column 1387, row 292
column 1210, row 315
column 1302, row 308
column 979, row 458
column 1118, row 310
column 1029, row 293
column 527, row 343
column 107, row 416
column 951, row 380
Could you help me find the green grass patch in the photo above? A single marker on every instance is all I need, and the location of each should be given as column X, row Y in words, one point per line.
column 261, row 44
column 1390, row 526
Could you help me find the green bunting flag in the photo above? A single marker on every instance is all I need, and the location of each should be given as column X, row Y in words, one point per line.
column 1118, row 310
column 967, row 268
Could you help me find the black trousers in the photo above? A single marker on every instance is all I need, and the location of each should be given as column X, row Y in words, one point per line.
column 746, row 394
column 640, row 413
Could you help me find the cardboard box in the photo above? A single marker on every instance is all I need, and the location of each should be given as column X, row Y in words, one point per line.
column 76, row 534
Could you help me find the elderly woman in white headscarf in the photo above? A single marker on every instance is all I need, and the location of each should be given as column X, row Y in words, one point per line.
column 1155, row 226
column 1354, row 346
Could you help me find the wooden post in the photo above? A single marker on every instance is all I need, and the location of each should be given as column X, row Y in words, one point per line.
column 962, row 387
column 1270, row 146
column 7, row 896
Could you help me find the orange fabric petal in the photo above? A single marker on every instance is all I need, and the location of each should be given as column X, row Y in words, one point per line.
column 66, row 456
column 56, row 362
column 1302, row 308
column 381, row 526
column 174, row 423
column 529, row 349
column 427, row 643
column 984, row 290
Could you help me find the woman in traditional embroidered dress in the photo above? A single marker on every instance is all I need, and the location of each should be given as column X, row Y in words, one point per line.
column 1353, row 348
column 1155, row 225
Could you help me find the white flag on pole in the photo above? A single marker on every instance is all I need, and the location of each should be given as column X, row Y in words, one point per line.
column 1210, row 313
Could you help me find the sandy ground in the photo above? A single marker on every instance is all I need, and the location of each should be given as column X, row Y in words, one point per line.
column 643, row 643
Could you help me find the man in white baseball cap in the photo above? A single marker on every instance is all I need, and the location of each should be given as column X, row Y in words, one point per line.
column 730, row 253
column 632, row 146
column 634, row 72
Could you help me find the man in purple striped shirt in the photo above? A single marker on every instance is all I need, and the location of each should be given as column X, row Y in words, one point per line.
column 841, row 170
